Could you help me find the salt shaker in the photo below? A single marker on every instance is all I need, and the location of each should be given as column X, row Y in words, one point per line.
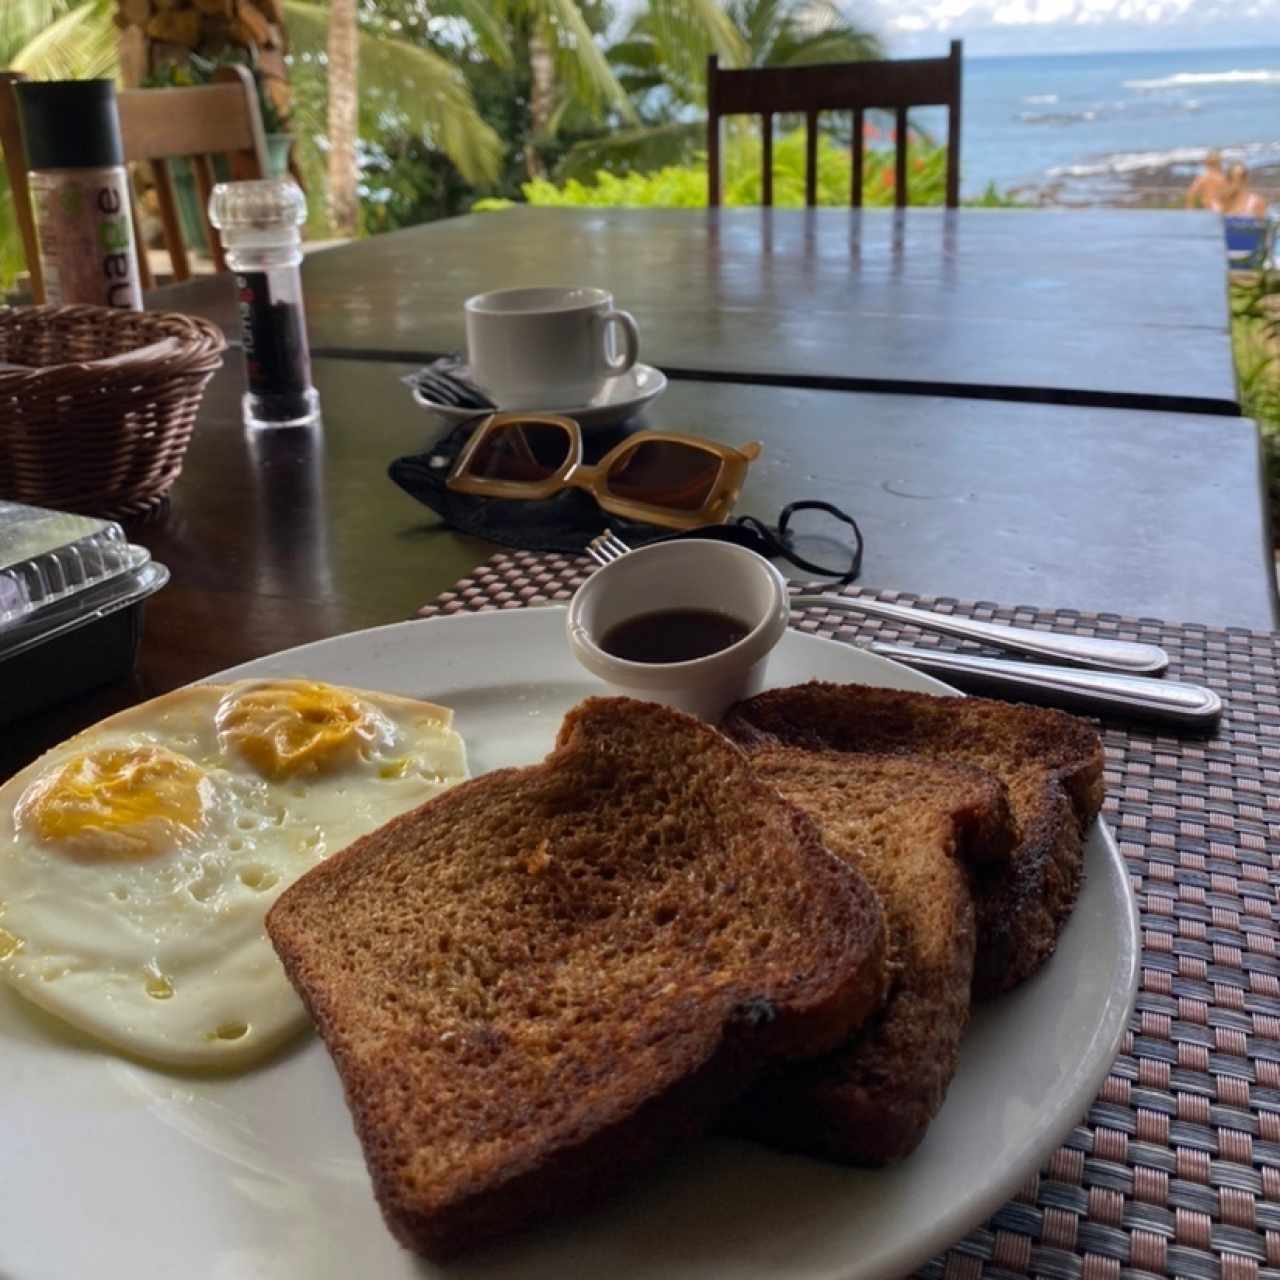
column 80, row 192
column 259, row 222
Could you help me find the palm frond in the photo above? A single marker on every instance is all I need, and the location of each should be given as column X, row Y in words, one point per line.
column 839, row 45
column 634, row 149
column 22, row 20
column 683, row 33
column 722, row 37
column 635, row 52
column 791, row 32
column 420, row 86
column 80, row 45
column 486, row 22
column 759, row 21
column 582, row 62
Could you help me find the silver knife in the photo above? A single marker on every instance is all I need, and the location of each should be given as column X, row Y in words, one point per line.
column 1079, row 651
column 1188, row 705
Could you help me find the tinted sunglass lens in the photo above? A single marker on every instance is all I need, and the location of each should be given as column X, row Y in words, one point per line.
column 665, row 473
column 516, row 451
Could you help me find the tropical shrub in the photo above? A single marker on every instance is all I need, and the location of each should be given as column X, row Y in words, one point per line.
column 685, row 186
column 1255, row 333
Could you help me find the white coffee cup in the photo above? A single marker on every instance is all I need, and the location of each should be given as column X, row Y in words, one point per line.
column 551, row 348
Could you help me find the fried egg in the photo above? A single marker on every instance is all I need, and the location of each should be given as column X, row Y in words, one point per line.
column 139, row 859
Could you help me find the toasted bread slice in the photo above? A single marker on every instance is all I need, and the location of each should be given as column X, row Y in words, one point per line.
column 1050, row 762
column 553, row 974
column 909, row 825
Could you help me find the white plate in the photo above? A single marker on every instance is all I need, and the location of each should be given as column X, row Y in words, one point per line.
column 621, row 398
column 118, row 1171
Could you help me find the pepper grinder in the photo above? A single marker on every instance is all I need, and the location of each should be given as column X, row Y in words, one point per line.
column 259, row 222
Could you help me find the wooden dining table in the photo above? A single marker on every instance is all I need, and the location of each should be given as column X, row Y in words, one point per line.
column 1031, row 417
column 275, row 538
column 1104, row 307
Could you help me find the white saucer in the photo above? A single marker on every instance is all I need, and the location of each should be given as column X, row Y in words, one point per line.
column 620, row 398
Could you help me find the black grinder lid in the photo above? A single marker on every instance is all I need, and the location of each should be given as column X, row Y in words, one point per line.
column 70, row 124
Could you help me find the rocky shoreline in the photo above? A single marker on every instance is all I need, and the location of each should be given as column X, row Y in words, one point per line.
column 1159, row 187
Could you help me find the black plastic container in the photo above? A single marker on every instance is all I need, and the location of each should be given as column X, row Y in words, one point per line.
column 72, row 591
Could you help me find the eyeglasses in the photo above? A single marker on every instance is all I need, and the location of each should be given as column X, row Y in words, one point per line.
column 658, row 477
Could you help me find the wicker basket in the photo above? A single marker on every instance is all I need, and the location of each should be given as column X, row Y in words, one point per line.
column 80, row 434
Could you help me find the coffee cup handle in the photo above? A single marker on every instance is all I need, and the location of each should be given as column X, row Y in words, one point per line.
column 626, row 325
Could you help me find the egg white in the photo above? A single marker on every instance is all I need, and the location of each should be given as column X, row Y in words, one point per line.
column 166, row 957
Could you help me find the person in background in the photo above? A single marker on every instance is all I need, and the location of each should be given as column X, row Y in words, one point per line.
column 1210, row 185
column 1238, row 200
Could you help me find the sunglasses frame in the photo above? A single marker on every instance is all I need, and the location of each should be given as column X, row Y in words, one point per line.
column 574, row 474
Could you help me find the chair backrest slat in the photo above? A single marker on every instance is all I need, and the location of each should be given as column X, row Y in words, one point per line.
column 766, row 160
column 811, row 158
column 900, row 129
column 953, row 131
column 169, row 218
column 203, row 168
column 843, row 86
column 857, row 144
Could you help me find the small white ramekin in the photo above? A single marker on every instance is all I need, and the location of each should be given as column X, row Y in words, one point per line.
column 688, row 574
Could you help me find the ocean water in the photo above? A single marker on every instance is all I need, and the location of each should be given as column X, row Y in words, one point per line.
column 1087, row 125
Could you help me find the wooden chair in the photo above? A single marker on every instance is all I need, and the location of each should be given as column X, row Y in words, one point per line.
column 159, row 125
column 223, row 118
column 15, row 158
column 837, row 86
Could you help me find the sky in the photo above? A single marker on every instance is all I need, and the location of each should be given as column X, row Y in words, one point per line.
column 1069, row 26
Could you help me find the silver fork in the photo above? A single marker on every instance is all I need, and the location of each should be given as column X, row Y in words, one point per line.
column 1077, row 651
column 607, row 547
column 1106, row 685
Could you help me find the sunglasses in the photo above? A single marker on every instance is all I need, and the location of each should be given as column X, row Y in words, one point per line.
column 658, row 477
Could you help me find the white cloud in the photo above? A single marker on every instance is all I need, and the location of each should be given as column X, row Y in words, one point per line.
column 1008, row 25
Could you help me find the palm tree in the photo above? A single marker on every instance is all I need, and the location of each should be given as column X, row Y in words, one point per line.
column 568, row 70
column 379, row 70
column 77, row 39
column 788, row 33
column 343, row 49
column 662, row 63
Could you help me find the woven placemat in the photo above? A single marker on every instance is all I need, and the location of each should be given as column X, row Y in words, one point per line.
column 1175, row 1170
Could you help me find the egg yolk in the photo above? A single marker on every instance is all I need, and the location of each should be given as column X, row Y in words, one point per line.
column 117, row 802
column 290, row 728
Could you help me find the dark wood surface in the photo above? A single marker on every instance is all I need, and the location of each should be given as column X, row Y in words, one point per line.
column 279, row 538
column 1100, row 307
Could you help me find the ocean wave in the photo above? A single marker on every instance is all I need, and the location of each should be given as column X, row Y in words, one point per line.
column 1184, row 78
column 1057, row 117
column 1041, row 99
column 1109, row 110
column 1125, row 162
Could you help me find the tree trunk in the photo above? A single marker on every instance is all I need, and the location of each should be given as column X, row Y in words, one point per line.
column 344, row 52
column 542, row 96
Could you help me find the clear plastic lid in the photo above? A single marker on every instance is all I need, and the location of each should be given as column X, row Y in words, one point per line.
column 49, row 558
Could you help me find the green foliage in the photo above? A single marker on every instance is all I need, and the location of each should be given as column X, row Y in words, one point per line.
column 408, row 88
column 1255, row 335
column 58, row 39
column 685, row 186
